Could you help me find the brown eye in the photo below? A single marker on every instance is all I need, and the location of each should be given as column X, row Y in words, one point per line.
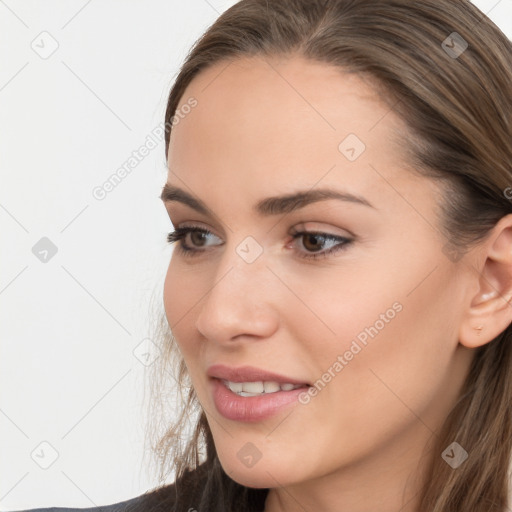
column 312, row 241
column 198, row 238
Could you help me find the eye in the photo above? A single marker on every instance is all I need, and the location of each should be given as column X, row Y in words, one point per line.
column 314, row 241
column 198, row 236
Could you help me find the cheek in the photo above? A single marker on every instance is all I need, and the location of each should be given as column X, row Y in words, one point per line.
column 171, row 301
column 389, row 359
column 180, row 295
column 182, row 291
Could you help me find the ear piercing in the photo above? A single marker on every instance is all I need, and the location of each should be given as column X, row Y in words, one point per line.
column 479, row 329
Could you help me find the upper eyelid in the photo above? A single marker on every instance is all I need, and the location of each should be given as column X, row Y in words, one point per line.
column 179, row 225
column 296, row 231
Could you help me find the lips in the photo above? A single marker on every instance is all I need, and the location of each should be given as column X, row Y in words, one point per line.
column 250, row 374
column 251, row 407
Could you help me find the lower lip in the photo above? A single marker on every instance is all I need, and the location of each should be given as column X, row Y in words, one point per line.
column 251, row 408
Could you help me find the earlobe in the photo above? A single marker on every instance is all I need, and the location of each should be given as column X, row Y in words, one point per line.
column 489, row 311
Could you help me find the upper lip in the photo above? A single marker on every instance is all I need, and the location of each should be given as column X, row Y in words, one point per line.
column 248, row 374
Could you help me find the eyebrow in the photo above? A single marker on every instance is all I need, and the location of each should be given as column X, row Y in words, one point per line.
column 271, row 205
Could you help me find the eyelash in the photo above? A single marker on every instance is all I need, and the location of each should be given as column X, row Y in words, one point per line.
column 180, row 233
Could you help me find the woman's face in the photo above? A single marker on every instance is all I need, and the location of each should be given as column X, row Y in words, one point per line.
column 370, row 330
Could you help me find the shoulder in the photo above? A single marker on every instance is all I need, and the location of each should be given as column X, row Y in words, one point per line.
column 203, row 489
column 155, row 500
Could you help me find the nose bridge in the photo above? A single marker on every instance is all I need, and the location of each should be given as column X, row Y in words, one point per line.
column 238, row 302
column 242, row 266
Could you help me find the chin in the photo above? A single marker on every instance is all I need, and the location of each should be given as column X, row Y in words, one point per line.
column 260, row 476
column 256, row 479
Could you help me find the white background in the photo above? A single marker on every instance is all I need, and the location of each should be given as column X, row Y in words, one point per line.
column 70, row 326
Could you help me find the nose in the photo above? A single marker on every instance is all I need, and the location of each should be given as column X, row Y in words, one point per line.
column 240, row 302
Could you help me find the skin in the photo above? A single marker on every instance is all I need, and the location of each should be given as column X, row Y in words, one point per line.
column 263, row 128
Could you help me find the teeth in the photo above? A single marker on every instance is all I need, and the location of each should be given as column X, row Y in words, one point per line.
column 252, row 387
column 236, row 387
column 271, row 387
column 258, row 388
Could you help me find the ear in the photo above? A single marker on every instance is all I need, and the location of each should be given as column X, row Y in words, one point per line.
column 490, row 310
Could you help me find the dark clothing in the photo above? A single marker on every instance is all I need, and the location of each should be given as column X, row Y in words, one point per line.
column 196, row 491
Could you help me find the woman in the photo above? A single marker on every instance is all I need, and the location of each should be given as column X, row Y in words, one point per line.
column 339, row 184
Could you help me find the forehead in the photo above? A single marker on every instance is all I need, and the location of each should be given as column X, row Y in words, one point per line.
column 263, row 123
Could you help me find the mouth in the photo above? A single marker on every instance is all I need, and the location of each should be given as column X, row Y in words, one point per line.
column 250, row 394
column 253, row 401
column 260, row 388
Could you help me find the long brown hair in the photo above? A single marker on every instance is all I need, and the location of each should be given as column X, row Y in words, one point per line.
column 457, row 103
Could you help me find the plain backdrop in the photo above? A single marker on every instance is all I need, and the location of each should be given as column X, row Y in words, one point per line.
column 82, row 86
